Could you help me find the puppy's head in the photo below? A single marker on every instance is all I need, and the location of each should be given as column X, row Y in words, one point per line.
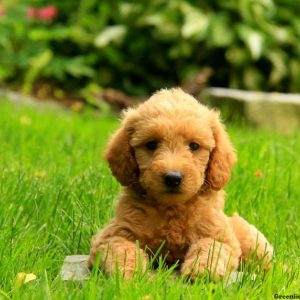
column 173, row 147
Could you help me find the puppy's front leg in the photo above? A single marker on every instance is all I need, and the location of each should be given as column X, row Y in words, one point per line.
column 209, row 254
column 117, row 252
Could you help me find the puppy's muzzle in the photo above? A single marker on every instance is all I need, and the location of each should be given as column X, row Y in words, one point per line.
column 172, row 179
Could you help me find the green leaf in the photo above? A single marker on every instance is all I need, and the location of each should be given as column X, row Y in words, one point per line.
column 294, row 67
column 253, row 39
column 74, row 33
column 111, row 34
column 220, row 33
column 196, row 22
column 37, row 64
column 238, row 56
column 165, row 24
column 77, row 68
column 280, row 66
column 252, row 78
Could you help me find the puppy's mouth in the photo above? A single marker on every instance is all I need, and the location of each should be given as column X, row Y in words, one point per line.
column 173, row 191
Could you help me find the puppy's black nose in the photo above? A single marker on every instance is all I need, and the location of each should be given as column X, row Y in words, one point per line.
column 172, row 179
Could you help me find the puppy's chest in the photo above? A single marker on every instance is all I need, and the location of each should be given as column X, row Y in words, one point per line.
column 173, row 229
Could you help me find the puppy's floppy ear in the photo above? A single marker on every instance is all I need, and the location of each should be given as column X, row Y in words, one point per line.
column 121, row 159
column 222, row 157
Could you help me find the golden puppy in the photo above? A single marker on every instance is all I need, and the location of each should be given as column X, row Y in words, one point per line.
column 173, row 157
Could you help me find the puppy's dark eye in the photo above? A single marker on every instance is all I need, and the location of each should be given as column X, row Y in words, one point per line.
column 194, row 146
column 152, row 145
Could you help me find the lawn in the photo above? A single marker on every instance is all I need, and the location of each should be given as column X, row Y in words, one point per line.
column 56, row 192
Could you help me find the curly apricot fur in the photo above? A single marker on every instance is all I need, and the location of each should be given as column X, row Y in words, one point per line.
column 187, row 223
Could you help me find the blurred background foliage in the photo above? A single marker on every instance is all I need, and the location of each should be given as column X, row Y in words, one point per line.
column 140, row 46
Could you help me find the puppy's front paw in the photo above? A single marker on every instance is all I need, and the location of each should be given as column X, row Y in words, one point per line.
column 198, row 266
column 120, row 256
column 210, row 257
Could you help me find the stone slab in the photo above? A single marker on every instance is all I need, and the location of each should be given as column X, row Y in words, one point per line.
column 75, row 268
column 269, row 111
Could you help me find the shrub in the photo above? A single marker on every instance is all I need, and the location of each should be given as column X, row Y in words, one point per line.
column 139, row 46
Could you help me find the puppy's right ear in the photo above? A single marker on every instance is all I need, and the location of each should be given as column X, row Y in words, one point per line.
column 121, row 159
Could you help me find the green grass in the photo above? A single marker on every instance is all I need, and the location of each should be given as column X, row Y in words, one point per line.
column 56, row 192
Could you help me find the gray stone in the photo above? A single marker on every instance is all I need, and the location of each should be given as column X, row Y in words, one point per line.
column 75, row 268
column 235, row 277
column 270, row 111
column 281, row 117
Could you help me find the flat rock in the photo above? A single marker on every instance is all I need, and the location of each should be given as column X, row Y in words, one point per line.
column 270, row 111
column 75, row 268
column 235, row 277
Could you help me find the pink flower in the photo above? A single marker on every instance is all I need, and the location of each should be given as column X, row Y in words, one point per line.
column 47, row 13
column 31, row 12
column 2, row 11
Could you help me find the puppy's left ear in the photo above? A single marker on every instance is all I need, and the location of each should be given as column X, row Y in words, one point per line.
column 222, row 158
